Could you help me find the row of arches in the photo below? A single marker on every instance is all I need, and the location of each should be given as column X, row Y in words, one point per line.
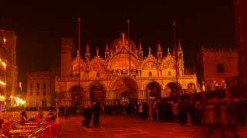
column 123, row 88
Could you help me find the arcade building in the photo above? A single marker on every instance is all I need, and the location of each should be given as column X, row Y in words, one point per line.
column 124, row 74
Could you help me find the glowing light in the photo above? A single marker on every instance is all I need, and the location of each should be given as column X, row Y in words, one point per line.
column 4, row 64
column 2, row 83
column 4, row 40
column 2, row 98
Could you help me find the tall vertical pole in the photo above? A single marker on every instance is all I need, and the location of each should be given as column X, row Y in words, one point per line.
column 176, row 52
column 128, row 22
column 79, row 48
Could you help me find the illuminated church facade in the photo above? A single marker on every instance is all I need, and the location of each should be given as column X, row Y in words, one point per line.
column 123, row 74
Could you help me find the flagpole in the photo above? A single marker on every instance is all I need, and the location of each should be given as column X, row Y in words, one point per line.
column 79, row 48
column 128, row 22
column 175, row 46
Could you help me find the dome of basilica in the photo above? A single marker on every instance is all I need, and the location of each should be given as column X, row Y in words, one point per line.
column 122, row 42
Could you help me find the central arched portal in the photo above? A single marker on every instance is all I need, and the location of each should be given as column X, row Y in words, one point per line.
column 76, row 96
column 125, row 89
column 153, row 90
column 97, row 92
column 174, row 89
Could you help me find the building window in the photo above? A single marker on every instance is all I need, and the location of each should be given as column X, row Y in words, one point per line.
column 169, row 73
column 31, row 93
column 150, row 74
column 220, row 68
column 44, row 93
column 37, row 93
column 97, row 74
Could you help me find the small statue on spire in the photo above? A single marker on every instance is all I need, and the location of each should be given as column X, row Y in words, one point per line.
column 87, row 48
column 149, row 50
column 97, row 52
column 78, row 53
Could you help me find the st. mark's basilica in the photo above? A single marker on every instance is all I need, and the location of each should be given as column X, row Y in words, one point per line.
column 124, row 74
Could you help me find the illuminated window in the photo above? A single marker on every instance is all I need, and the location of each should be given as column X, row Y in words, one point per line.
column 220, row 68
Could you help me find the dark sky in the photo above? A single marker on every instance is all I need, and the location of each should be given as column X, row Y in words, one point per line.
column 39, row 25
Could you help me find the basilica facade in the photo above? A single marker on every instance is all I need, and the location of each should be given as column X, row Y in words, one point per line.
column 124, row 74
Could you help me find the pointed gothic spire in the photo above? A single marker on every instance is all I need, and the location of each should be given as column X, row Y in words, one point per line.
column 106, row 47
column 179, row 46
column 97, row 52
column 149, row 51
column 168, row 51
column 123, row 36
column 159, row 48
column 87, row 48
column 78, row 53
column 140, row 46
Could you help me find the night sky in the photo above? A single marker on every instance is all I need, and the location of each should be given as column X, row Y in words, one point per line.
column 39, row 26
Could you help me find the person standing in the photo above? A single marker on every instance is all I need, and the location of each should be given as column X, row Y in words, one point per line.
column 87, row 112
column 96, row 114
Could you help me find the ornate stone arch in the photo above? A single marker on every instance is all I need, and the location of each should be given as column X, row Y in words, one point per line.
column 173, row 89
column 191, row 87
column 98, row 64
column 97, row 91
column 153, row 90
column 76, row 94
column 124, row 86
column 149, row 63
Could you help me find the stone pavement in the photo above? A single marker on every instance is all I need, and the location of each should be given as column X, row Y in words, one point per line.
column 130, row 127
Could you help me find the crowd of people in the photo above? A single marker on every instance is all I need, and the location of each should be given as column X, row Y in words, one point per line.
column 218, row 111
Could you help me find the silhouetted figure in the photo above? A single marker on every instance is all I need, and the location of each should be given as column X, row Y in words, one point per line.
column 87, row 113
column 96, row 114
column 66, row 112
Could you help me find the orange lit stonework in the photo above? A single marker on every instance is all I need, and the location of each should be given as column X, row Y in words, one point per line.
column 124, row 74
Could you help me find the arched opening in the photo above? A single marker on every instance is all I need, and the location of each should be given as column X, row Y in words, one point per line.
column 191, row 88
column 153, row 90
column 76, row 96
column 97, row 92
column 125, row 89
column 174, row 89
column 220, row 68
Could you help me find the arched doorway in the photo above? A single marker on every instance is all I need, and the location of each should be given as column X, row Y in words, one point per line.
column 125, row 89
column 76, row 96
column 174, row 89
column 153, row 90
column 97, row 92
column 191, row 88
